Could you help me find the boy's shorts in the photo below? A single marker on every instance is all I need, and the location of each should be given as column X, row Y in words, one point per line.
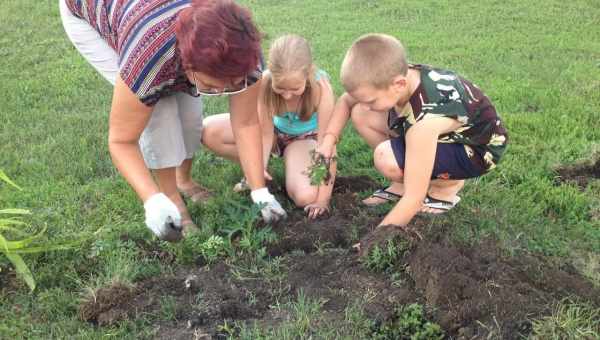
column 283, row 140
column 451, row 160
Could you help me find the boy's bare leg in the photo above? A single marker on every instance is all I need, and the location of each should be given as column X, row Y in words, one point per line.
column 372, row 127
column 445, row 190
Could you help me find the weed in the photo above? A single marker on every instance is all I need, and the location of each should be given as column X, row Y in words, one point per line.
column 28, row 243
column 380, row 259
column 408, row 323
column 569, row 320
column 241, row 229
column 213, row 248
column 168, row 308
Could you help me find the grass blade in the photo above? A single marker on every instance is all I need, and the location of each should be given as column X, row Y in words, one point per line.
column 5, row 178
column 22, row 269
column 14, row 212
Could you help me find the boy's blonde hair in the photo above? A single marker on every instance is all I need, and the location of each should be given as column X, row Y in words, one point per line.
column 375, row 60
column 288, row 54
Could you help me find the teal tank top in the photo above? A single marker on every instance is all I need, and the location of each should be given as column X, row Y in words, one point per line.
column 290, row 123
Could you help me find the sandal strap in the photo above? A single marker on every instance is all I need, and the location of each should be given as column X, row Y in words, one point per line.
column 439, row 204
column 196, row 193
column 386, row 195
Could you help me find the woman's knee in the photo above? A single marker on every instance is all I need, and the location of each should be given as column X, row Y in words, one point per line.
column 386, row 163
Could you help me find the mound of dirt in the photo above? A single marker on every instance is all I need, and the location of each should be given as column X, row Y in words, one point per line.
column 580, row 174
column 472, row 291
column 476, row 291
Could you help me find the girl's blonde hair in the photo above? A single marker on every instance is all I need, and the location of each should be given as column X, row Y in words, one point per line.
column 288, row 54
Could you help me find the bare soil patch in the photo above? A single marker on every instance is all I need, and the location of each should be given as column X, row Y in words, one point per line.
column 579, row 174
column 472, row 291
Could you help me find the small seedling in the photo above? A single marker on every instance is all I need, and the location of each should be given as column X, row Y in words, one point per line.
column 319, row 169
column 408, row 322
column 383, row 257
column 213, row 248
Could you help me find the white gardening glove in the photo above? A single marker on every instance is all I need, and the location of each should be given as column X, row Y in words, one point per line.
column 272, row 211
column 163, row 218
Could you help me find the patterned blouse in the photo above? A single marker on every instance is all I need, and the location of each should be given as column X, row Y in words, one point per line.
column 443, row 93
column 142, row 32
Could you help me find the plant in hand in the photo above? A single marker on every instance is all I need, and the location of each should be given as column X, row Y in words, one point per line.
column 319, row 169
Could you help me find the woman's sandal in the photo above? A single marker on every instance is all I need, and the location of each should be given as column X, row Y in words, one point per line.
column 386, row 196
column 438, row 204
column 196, row 194
column 241, row 186
column 188, row 227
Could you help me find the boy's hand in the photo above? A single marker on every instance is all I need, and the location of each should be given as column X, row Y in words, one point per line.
column 316, row 209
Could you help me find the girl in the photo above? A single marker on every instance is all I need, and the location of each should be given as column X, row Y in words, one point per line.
column 295, row 103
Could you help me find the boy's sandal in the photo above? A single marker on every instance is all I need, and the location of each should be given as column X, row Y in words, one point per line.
column 438, row 204
column 241, row 186
column 386, row 196
column 196, row 194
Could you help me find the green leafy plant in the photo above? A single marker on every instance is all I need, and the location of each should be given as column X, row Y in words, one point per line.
column 410, row 323
column 213, row 248
column 319, row 169
column 11, row 223
column 381, row 258
column 242, row 229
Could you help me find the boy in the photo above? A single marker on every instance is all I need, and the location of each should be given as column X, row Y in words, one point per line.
column 430, row 128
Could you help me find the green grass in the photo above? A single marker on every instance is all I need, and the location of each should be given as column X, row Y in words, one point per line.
column 569, row 320
column 539, row 63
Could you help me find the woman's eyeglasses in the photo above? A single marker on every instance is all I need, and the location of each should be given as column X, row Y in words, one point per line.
column 220, row 92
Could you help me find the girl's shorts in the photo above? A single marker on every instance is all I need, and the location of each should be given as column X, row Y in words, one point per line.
column 283, row 140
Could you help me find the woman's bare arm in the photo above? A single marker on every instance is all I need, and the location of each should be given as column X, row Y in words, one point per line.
column 128, row 118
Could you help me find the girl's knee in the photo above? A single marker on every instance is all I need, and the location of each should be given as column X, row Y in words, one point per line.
column 303, row 197
column 211, row 135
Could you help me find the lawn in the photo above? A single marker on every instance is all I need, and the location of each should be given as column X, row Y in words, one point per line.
column 523, row 225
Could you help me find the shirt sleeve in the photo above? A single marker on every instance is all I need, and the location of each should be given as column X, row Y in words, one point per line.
column 446, row 97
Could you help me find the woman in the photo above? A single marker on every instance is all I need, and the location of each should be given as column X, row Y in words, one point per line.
column 161, row 55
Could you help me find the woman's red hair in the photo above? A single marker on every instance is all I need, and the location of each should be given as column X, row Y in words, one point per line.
column 217, row 37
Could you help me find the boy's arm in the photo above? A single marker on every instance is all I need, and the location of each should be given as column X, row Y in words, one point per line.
column 341, row 113
column 421, row 146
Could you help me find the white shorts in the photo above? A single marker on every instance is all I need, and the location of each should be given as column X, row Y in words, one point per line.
column 174, row 130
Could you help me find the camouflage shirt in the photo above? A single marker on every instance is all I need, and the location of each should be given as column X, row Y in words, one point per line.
column 443, row 93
